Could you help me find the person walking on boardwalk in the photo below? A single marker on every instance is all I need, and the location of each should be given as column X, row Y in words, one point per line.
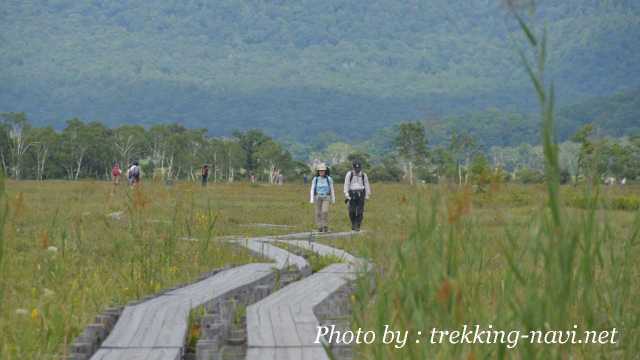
column 115, row 173
column 321, row 194
column 205, row 174
column 356, row 190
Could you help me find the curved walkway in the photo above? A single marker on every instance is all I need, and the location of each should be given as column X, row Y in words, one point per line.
column 280, row 326
column 283, row 326
column 157, row 328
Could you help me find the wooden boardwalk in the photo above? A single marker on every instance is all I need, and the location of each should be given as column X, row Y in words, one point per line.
column 315, row 235
column 283, row 326
column 157, row 328
column 282, row 258
column 326, row 250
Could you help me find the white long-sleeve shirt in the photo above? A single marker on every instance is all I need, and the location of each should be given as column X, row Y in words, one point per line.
column 313, row 189
column 353, row 181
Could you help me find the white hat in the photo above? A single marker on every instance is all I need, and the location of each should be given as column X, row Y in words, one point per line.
column 321, row 166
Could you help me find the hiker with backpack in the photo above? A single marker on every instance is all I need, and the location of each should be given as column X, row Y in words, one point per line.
column 134, row 174
column 205, row 174
column 356, row 191
column 321, row 195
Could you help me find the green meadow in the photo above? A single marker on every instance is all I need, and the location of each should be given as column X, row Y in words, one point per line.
column 445, row 256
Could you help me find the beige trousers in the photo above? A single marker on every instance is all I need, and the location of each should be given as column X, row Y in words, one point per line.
column 322, row 210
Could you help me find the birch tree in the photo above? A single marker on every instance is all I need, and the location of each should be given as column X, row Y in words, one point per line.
column 19, row 142
column 411, row 144
column 44, row 140
column 127, row 141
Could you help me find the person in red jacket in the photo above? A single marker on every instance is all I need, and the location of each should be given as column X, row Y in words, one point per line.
column 115, row 173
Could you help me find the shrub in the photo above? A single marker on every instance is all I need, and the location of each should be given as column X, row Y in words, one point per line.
column 530, row 176
column 628, row 203
column 385, row 172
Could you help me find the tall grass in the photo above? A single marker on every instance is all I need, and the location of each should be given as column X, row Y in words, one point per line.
column 466, row 265
column 4, row 209
column 73, row 249
column 445, row 264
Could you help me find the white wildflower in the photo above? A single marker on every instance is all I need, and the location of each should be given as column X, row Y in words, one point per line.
column 116, row 215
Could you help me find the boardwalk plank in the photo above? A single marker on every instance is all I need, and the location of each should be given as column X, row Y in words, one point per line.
column 308, row 235
column 326, row 250
column 157, row 328
column 138, row 354
column 282, row 257
column 283, row 324
column 303, row 353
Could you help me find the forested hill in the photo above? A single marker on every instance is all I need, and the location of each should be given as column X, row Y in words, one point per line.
column 617, row 116
column 297, row 68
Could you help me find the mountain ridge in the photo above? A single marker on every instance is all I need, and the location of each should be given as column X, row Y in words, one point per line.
column 287, row 66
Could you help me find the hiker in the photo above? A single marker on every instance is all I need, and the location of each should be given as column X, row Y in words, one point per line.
column 115, row 173
column 305, row 179
column 134, row 174
column 356, row 190
column 205, row 174
column 321, row 194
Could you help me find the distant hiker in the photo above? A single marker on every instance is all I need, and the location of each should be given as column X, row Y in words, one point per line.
column 134, row 174
column 205, row 174
column 280, row 179
column 321, row 194
column 305, row 178
column 609, row 180
column 356, row 190
column 115, row 173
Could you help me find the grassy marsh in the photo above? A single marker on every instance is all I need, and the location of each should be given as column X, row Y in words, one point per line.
column 452, row 264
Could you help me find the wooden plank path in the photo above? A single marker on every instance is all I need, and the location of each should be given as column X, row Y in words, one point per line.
column 282, row 258
column 326, row 250
column 283, row 326
column 156, row 329
column 314, row 235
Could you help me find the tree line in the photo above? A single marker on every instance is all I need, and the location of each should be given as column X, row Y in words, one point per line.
column 170, row 151
column 403, row 153
column 83, row 150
